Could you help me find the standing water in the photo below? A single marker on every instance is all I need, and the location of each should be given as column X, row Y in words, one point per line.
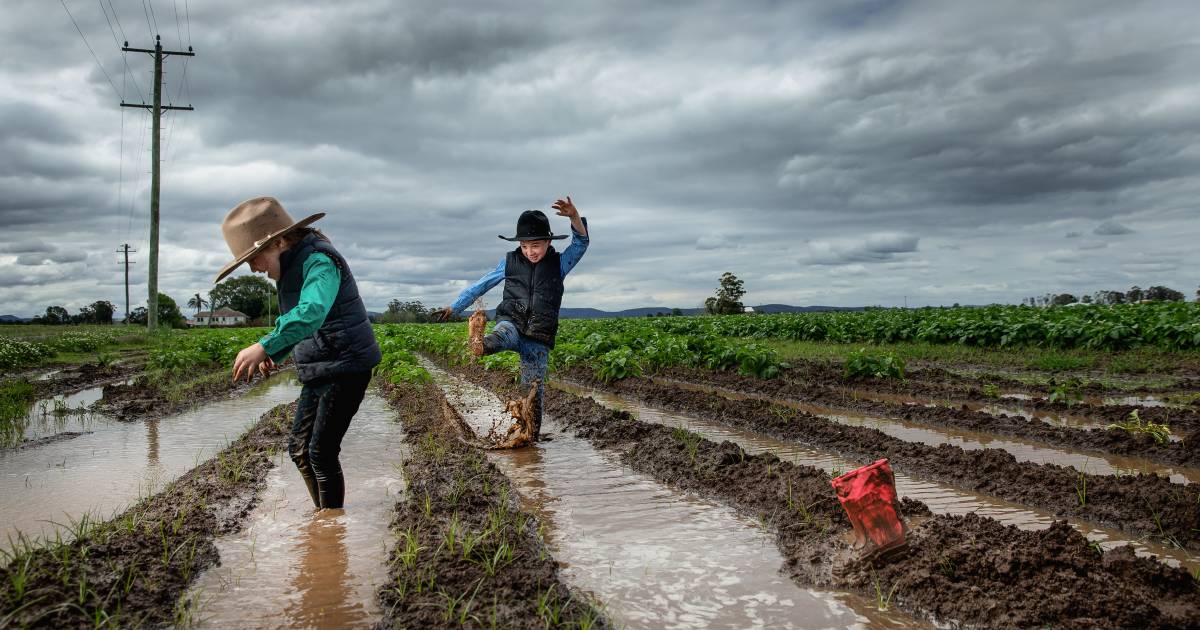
column 941, row 499
column 292, row 566
column 99, row 474
column 647, row 551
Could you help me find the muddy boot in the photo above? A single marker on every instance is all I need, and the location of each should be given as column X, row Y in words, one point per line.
column 537, row 419
column 475, row 325
column 490, row 344
column 310, row 481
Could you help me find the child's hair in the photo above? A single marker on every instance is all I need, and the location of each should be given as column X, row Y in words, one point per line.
column 299, row 234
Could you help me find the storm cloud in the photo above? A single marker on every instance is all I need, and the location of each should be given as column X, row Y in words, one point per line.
column 847, row 153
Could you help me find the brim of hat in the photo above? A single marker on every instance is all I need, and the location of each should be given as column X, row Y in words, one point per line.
column 228, row 269
column 514, row 239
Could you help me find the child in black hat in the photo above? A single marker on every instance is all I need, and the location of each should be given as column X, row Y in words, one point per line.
column 527, row 318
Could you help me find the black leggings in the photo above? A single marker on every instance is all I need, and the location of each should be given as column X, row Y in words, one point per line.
column 323, row 414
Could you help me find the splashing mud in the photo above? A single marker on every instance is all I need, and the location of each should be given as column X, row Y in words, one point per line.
column 646, row 550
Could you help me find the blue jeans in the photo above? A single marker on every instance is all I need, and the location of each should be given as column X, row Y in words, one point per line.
column 535, row 355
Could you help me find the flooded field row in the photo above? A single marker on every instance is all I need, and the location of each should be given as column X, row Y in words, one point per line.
column 1092, row 462
column 646, row 550
column 940, row 498
column 116, row 463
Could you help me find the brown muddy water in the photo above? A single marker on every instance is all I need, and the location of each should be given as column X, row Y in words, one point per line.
column 1091, row 462
column 654, row 557
column 294, row 567
column 52, row 416
column 46, row 487
column 940, row 498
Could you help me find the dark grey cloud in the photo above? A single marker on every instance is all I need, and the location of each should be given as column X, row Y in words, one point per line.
column 1112, row 228
column 841, row 153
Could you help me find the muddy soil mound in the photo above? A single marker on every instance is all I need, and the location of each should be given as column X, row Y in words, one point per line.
column 465, row 554
column 1143, row 504
column 996, row 581
column 828, row 386
column 1049, row 577
column 76, row 377
column 131, row 571
column 153, row 396
column 1114, row 441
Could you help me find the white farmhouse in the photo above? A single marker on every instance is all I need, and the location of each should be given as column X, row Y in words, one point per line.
column 220, row 317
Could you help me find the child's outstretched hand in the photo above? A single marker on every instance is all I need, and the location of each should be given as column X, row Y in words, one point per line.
column 251, row 359
column 566, row 208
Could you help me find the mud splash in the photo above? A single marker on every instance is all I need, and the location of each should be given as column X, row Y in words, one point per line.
column 294, row 567
column 634, row 543
column 98, row 474
column 939, row 498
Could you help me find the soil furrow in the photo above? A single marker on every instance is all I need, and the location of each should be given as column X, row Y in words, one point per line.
column 131, row 570
column 959, row 570
column 1143, row 505
column 1118, row 442
column 465, row 554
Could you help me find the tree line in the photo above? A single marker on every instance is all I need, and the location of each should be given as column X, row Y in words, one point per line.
column 1134, row 295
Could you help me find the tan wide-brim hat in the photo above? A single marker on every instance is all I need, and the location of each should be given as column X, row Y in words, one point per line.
column 252, row 225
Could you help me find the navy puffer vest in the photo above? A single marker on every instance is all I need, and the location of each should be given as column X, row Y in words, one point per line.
column 532, row 295
column 345, row 343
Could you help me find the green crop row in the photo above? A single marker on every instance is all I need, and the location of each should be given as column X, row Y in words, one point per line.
column 18, row 351
column 1166, row 325
column 614, row 355
column 185, row 350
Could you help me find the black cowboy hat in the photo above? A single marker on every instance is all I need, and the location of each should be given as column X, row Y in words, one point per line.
column 533, row 226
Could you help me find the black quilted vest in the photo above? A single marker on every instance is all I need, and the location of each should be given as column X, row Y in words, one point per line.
column 345, row 343
column 532, row 295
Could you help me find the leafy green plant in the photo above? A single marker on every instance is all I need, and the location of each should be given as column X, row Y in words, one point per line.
column 1134, row 424
column 991, row 390
column 690, row 441
column 885, row 365
column 1067, row 393
column 617, row 364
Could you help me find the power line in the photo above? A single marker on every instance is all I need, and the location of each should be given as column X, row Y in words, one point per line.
column 152, row 16
column 116, row 19
column 178, row 28
column 89, row 47
column 146, row 12
column 188, row 19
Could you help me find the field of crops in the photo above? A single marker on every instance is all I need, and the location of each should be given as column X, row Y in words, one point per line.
column 686, row 481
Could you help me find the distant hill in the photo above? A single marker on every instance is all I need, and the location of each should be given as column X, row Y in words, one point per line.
column 13, row 319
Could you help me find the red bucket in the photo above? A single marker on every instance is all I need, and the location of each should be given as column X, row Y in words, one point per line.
column 868, row 495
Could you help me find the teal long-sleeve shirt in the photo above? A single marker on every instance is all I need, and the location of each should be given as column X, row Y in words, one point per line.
column 321, row 283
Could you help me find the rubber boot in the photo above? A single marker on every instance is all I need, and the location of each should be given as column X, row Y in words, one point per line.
column 491, row 344
column 869, row 497
column 310, row 481
column 333, row 491
column 537, row 418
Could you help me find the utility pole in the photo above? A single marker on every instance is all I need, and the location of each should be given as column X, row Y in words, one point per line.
column 156, row 109
column 125, row 250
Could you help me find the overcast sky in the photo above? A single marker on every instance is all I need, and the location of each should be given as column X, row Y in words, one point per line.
column 841, row 153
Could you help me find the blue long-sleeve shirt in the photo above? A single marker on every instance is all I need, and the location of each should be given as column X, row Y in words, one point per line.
column 566, row 262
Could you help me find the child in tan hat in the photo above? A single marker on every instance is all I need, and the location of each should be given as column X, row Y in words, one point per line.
column 323, row 323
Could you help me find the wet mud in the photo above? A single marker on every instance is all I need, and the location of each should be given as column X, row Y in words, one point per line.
column 1142, row 505
column 645, row 549
column 293, row 566
column 131, row 570
column 73, row 378
column 940, row 498
column 994, row 575
column 103, row 472
column 463, row 551
column 149, row 396
column 1103, row 452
